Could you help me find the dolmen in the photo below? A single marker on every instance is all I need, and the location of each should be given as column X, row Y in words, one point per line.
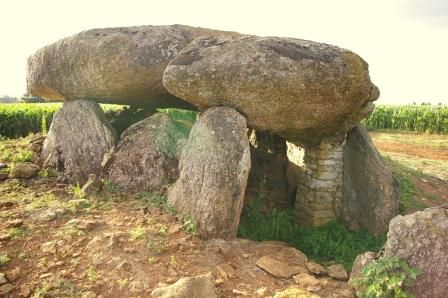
column 309, row 94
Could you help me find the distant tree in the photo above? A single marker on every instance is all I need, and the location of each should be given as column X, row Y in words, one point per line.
column 8, row 99
column 29, row 98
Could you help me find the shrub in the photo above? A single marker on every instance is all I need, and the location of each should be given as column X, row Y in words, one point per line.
column 386, row 277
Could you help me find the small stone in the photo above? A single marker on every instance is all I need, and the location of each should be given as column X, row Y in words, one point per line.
column 309, row 282
column 3, row 279
column 225, row 271
column 295, row 292
column 277, row 268
column 48, row 247
column 261, row 292
column 88, row 294
column 35, row 147
column 126, row 266
column 240, row 293
column 3, row 165
column 25, row 290
column 6, row 288
column 337, row 272
column 45, row 275
column 15, row 223
column 5, row 237
column 174, row 229
column 13, row 275
column 25, row 170
column 4, row 176
column 219, row 281
column 129, row 250
column 316, row 268
column 201, row 286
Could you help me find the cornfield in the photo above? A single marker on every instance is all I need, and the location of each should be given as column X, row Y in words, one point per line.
column 21, row 119
column 415, row 118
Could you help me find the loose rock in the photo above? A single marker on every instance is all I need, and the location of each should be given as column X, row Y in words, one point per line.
column 147, row 155
column 337, row 272
column 309, row 282
column 278, row 268
column 421, row 239
column 25, row 170
column 201, row 286
column 316, row 268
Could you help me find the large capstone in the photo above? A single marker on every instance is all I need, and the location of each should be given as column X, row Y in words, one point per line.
column 147, row 154
column 214, row 169
column 301, row 90
column 421, row 239
column 78, row 140
column 113, row 65
column 370, row 192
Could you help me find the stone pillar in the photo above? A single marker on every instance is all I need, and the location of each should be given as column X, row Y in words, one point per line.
column 319, row 192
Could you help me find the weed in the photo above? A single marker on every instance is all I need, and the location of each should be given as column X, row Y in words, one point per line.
column 155, row 246
column 91, row 274
column 43, row 173
column 44, row 201
column 23, row 255
column 4, row 259
column 111, row 187
column 158, row 200
column 122, row 282
column 173, row 262
column 138, row 233
column 386, row 277
column 78, row 192
column 163, row 230
column 190, row 225
column 15, row 233
column 152, row 260
column 68, row 232
column 42, row 290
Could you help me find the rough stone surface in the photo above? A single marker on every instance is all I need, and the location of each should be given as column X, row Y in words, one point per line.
column 201, row 286
column 309, row 282
column 297, row 89
column 3, row 279
column 114, row 65
column 295, row 292
column 147, row 154
column 25, row 170
column 421, row 239
column 337, row 271
column 214, row 168
column 316, row 268
column 278, row 268
column 77, row 141
column 370, row 192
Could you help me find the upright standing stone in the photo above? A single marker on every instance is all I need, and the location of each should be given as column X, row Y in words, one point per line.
column 370, row 192
column 147, row 154
column 77, row 141
column 421, row 239
column 214, row 169
column 319, row 191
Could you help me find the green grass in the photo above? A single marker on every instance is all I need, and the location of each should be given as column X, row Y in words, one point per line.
column 4, row 259
column 329, row 243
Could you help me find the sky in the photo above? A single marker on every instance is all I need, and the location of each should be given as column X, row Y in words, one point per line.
column 405, row 42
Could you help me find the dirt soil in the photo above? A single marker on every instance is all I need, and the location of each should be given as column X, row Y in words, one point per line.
column 120, row 247
column 422, row 158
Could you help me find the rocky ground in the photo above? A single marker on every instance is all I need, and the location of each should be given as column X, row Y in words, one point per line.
column 55, row 241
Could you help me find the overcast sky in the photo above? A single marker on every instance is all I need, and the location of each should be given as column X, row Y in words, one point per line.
column 405, row 42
